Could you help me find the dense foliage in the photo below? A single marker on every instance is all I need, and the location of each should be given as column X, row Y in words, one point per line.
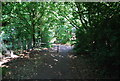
column 99, row 33
column 29, row 24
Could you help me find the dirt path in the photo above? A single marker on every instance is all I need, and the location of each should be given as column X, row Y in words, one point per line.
column 49, row 65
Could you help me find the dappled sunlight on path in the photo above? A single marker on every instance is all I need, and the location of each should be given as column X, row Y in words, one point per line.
column 44, row 65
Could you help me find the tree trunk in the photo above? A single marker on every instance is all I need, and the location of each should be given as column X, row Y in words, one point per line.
column 33, row 34
column 33, row 40
column 26, row 44
column 21, row 47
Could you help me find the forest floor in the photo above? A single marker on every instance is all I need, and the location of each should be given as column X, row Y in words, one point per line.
column 48, row 64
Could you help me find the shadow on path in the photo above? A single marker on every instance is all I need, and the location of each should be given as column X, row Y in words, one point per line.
column 45, row 65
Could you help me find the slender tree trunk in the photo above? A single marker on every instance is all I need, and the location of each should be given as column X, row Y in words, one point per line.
column 33, row 37
column 21, row 47
column 26, row 44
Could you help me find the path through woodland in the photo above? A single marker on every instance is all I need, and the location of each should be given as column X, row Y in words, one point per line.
column 48, row 64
